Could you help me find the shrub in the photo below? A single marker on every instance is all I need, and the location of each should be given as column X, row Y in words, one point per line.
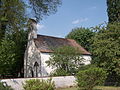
column 4, row 87
column 91, row 77
column 84, row 67
column 59, row 72
column 36, row 84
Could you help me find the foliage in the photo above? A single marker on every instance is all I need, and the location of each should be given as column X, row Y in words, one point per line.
column 36, row 84
column 3, row 87
column 21, row 43
column 12, row 21
column 84, row 67
column 43, row 7
column 91, row 77
column 59, row 72
column 13, row 13
column 82, row 36
column 12, row 16
column 11, row 54
column 113, row 9
column 106, row 48
column 7, row 57
column 66, row 59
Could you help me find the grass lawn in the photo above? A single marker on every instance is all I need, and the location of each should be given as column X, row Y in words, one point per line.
column 71, row 88
column 98, row 87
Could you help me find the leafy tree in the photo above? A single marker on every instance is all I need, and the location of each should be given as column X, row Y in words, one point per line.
column 106, row 48
column 65, row 59
column 91, row 77
column 20, row 43
column 12, row 16
column 11, row 55
column 13, row 13
column 113, row 9
column 7, row 58
column 43, row 7
column 82, row 36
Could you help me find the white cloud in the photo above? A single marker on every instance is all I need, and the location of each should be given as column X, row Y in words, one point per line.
column 40, row 26
column 76, row 21
column 80, row 20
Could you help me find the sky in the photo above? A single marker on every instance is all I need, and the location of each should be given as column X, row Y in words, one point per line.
column 72, row 14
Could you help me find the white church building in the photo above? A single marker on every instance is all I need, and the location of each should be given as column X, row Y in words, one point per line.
column 39, row 49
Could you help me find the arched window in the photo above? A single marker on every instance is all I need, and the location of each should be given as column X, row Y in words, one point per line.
column 36, row 65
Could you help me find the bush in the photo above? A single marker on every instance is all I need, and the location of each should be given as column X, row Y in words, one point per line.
column 4, row 87
column 85, row 67
column 59, row 72
column 91, row 77
column 36, row 84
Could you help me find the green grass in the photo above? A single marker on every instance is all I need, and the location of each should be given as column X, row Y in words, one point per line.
column 98, row 87
column 71, row 88
column 108, row 88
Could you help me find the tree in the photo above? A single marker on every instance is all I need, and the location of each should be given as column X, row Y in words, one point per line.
column 20, row 43
column 91, row 77
column 43, row 7
column 13, row 21
column 82, row 36
column 12, row 16
column 13, row 13
column 106, row 48
column 65, row 60
column 11, row 55
column 113, row 9
column 7, row 58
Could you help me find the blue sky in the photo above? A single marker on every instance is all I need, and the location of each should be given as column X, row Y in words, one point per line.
column 72, row 14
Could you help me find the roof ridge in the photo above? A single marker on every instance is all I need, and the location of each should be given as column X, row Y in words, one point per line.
column 53, row 37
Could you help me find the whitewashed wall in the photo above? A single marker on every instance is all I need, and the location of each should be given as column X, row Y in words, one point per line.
column 46, row 56
column 60, row 82
column 87, row 59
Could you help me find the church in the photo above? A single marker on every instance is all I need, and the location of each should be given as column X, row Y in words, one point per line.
column 39, row 49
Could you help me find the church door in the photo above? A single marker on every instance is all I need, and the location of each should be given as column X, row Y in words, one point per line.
column 36, row 65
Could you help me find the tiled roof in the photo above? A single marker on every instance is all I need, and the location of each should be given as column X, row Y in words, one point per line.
column 44, row 43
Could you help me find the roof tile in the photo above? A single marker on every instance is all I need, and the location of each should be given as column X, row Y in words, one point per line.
column 45, row 43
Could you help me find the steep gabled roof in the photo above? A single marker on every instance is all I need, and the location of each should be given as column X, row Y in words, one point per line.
column 45, row 43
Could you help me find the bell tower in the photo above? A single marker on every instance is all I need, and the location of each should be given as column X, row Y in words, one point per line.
column 32, row 58
column 32, row 24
